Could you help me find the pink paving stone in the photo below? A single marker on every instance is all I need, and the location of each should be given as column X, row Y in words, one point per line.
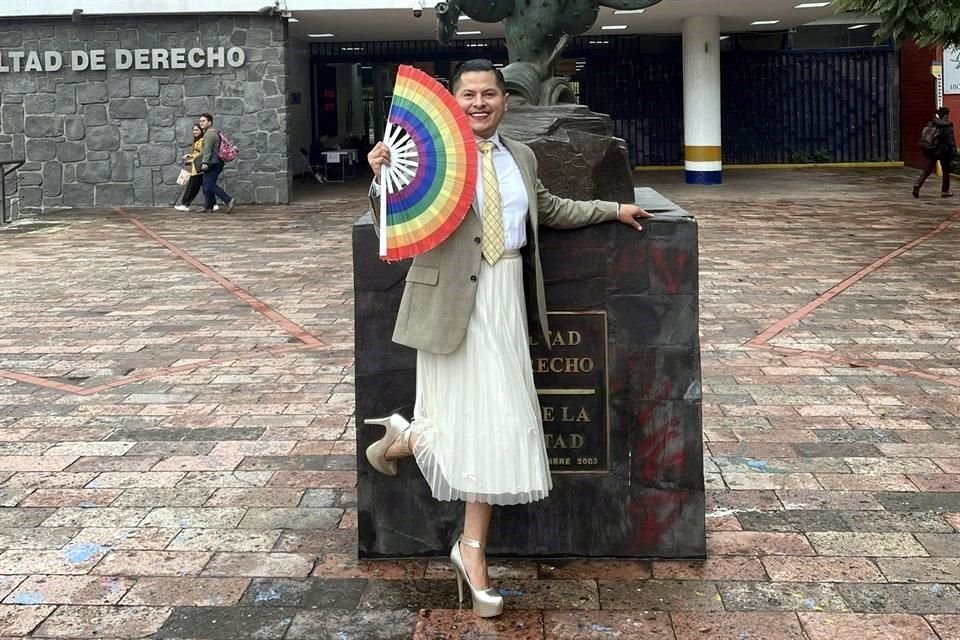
column 199, row 463
column 946, row 626
column 92, row 590
column 843, row 626
column 272, row 497
column 280, row 565
column 153, row 563
column 20, row 620
column 342, row 566
column 723, row 523
column 314, row 479
column 931, row 482
column 344, row 448
column 713, row 568
column 35, row 463
column 71, row 498
column 187, row 592
column 737, row 626
column 312, row 448
column 785, row 569
column 604, row 625
column 753, row 543
column 103, row 622
column 595, row 569
column 349, row 519
column 441, row 624
column 948, row 466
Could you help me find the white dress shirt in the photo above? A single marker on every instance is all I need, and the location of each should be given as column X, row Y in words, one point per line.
column 513, row 194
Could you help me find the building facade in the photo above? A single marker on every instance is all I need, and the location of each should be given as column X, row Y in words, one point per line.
column 98, row 99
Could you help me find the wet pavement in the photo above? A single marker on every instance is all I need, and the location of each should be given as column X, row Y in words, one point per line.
column 177, row 445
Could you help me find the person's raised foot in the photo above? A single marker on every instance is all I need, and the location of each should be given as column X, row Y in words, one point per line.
column 383, row 454
column 182, row 207
column 946, row 194
column 230, row 204
column 916, row 191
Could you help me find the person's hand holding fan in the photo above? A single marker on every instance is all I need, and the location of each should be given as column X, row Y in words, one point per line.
column 430, row 182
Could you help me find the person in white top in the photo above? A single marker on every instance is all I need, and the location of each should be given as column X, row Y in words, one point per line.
column 477, row 433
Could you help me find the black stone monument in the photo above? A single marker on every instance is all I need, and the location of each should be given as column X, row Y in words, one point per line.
column 620, row 394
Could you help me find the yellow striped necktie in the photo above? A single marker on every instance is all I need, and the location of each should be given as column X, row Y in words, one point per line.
column 493, row 239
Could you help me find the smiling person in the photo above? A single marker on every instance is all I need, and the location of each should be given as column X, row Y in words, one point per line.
column 477, row 434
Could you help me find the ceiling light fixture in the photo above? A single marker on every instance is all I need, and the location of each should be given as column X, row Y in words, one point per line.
column 468, row 33
column 292, row 20
column 758, row 23
column 812, row 5
column 622, row 12
column 613, row 27
column 858, row 26
column 320, row 35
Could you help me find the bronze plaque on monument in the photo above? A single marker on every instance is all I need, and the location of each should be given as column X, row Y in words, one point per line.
column 571, row 380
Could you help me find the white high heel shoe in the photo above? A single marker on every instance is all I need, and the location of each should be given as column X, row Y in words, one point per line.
column 396, row 427
column 487, row 603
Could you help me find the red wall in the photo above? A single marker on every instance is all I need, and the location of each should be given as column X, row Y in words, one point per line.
column 918, row 95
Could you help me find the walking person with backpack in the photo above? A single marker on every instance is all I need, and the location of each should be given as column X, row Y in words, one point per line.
column 216, row 150
column 939, row 144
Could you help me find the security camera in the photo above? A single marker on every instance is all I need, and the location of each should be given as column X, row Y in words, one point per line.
column 418, row 9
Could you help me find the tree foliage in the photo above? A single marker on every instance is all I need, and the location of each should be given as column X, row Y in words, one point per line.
column 929, row 22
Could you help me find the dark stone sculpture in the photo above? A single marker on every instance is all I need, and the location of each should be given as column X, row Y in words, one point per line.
column 536, row 33
column 620, row 394
column 578, row 154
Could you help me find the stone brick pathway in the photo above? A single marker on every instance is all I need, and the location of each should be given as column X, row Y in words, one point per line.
column 177, row 454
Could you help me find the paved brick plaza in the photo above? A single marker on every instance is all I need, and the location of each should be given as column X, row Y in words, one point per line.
column 177, row 453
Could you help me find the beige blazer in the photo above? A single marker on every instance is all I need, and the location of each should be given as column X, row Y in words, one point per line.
column 441, row 286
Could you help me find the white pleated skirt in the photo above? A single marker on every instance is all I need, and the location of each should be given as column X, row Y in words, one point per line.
column 479, row 435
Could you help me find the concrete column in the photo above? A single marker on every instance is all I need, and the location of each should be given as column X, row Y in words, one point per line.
column 701, row 100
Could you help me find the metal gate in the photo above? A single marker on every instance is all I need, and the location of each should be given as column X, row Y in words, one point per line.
column 783, row 106
column 778, row 106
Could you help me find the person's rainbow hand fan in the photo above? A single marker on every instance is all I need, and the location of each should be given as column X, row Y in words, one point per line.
column 430, row 183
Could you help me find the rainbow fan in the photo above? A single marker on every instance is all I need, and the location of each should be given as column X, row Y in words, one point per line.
column 431, row 181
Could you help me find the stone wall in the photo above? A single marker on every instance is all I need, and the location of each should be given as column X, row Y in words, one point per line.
column 114, row 137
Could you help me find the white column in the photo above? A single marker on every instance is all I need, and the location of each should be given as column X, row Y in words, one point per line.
column 703, row 156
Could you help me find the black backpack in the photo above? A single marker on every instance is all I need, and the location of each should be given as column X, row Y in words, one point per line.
column 930, row 137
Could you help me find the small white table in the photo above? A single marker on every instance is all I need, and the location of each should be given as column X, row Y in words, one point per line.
column 346, row 158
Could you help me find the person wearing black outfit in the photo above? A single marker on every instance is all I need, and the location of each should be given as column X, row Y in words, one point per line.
column 943, row 152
